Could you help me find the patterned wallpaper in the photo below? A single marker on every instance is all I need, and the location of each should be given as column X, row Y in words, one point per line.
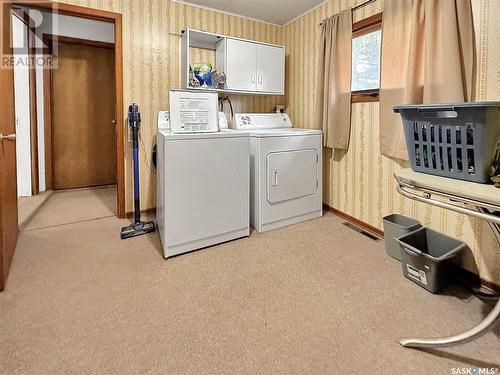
column 151, row 53
column 359, row 181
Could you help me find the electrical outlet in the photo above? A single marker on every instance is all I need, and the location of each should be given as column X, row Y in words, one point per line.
column 280, row 109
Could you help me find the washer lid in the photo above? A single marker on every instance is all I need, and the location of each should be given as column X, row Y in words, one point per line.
column 290, row 132
column 168, row 135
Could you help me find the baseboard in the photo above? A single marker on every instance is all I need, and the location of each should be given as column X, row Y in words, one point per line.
column 25, row 221
column 147, row 211
column 475, row 279
column 369, row 228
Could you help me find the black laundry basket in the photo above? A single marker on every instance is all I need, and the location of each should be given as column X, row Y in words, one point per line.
column 458, row 140
column 428, row 258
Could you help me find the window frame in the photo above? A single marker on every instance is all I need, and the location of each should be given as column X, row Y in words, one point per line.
column 360, row 28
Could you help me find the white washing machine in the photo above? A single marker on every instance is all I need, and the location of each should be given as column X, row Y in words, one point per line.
column 202, row 188
column 285, row 170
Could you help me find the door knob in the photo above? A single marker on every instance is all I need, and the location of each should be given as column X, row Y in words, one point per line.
column 113, row 122
column 9, row 137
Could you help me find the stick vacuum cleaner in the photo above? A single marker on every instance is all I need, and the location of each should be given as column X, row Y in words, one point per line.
column 138, row 227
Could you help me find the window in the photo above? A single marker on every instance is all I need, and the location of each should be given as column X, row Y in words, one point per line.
column 366, row 62
column 366, row 44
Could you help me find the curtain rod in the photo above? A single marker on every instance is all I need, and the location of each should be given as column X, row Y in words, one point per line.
column 357, row 7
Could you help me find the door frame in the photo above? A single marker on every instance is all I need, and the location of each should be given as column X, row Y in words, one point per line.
column 116, row 19
column 8, row 197
column 48, row 100
column 32, row 98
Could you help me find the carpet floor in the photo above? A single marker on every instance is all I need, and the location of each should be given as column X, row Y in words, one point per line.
column 66, row 206
column 311, row 298
column 28, row 207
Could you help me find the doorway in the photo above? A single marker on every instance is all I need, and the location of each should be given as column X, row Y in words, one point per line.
column 78, row 130
column 83, row 139
column 98, row 33
column 8, row 180
column 79, row 148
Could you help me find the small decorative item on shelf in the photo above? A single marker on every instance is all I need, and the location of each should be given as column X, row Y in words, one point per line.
column 193, row 82
column 218, row 79
column 203, row 74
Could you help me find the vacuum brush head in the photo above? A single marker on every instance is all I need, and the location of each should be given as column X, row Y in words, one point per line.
column 136, row 229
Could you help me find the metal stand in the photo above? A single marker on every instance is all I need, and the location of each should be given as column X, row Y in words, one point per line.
column 481, row 210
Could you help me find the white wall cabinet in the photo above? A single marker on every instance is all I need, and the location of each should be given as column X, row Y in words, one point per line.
column 239, row 63
column 270, row 68
column 251, row 67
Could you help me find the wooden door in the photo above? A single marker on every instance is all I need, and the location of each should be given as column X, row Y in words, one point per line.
column 8, row 185
column 83, row 117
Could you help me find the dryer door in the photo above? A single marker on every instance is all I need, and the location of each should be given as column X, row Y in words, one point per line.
column 291, row 174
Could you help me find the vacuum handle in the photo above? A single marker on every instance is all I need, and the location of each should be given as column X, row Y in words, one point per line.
column 134, row 117
column 137, row 199
column 135, row 137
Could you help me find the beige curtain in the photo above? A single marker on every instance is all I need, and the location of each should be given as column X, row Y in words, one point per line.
column 427, row 57
column 333, row 100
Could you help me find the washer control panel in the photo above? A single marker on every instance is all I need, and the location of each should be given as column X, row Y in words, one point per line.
column 164, row 120
column 247, row 121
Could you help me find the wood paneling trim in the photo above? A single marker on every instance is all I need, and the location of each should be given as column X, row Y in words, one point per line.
column 69, row 9
column 475, row 279
column 359, row 97
column 379, row 233
column 367, row 22
column 35, row 183
column 85, row 42
column 47, row 119
column 369, row 228
column 147, row 211
column 120, row 121
column 362, row 27
column 8, row 193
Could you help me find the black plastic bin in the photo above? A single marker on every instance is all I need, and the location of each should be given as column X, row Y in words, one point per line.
column 428, row 258
column 457, row 140
column 396, row 226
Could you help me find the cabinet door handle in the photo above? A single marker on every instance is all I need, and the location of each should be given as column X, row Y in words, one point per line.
column 260, row 79
column 252, row 78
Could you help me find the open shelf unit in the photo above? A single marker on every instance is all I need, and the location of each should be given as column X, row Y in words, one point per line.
column 196, row 39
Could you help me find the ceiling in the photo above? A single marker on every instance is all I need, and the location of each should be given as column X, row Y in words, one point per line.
column 274, row 11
